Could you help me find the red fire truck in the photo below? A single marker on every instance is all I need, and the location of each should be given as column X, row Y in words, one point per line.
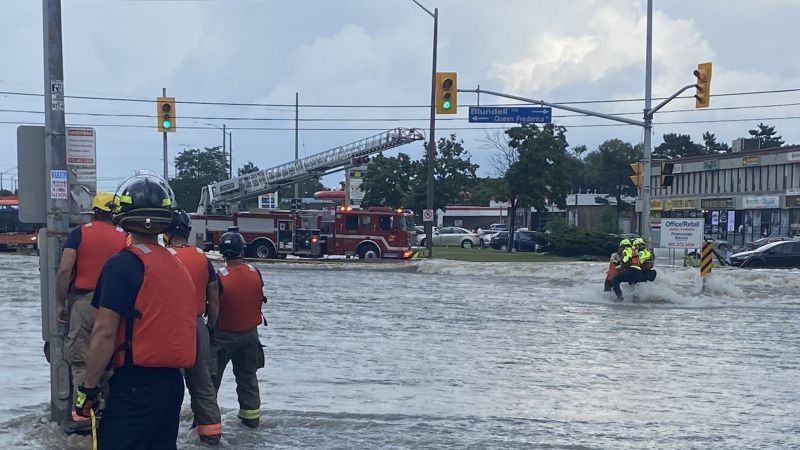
column 366, row 233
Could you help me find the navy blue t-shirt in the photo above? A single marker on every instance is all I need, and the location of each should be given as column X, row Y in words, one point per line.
column 120, row 280
column 74, row 239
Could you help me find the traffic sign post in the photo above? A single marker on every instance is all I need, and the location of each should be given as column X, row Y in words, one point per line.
column 706, row 258
column 490, row 114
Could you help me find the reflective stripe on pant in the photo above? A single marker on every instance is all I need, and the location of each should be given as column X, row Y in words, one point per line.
column 245, row 351
column 201, row 386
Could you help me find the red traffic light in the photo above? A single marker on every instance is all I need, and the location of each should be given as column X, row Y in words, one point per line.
column 700, row 75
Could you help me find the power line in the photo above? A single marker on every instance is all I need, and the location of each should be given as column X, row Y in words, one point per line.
column 311, row 105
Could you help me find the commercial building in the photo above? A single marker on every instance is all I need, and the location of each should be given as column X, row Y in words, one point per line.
column 742, row 195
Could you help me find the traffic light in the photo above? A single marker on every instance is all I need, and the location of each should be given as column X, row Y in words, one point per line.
column 667, row 178
column 637, row 176
column 166, row 114
column 703, row 94
column 446, row 93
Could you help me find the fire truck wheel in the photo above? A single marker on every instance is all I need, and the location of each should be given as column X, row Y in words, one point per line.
column 369, row 251
column 263, row 250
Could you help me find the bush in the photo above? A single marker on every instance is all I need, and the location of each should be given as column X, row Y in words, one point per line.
column 573, row 242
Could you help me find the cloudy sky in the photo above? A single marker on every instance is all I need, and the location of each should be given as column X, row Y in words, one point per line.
column 378, row 52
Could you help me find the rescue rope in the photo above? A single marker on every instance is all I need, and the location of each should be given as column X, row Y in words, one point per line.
column 94, row 429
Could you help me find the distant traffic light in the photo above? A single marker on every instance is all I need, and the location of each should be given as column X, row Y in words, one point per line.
column 166, row 114
column 703, row 93
column 667, row 178
column 446, row 93
column 637, row 176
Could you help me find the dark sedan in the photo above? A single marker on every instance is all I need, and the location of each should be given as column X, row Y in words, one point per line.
column 524, row 241
column 784, row 254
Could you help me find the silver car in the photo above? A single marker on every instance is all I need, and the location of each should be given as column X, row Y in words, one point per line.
column 453, row 237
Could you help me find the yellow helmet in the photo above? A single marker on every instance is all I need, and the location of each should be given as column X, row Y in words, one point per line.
column 103, row 201
column 638, row 242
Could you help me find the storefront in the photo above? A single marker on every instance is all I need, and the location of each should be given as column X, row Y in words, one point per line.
column 720, row 217
column 793, row 205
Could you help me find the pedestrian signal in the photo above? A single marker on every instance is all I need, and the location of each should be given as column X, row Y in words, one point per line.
column 166, row 114
column 637, row 176
column 703, row 92
column 446, row 93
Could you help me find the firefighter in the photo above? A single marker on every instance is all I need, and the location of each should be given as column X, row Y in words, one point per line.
column 144, row 327
column 87, row 248
column 646, row 259
column 236, row 336
column 613, row 263
column 629, row 269
column 198, row 378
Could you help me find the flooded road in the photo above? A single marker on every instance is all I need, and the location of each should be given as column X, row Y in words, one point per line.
column 450, row 354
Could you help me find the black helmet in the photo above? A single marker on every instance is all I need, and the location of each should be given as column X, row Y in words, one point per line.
column 231, row 245
column 181, row 225
column 145, row 205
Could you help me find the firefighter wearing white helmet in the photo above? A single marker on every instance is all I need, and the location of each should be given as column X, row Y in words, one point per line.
column 144, row 327
column 236, row 337
column 86, row 250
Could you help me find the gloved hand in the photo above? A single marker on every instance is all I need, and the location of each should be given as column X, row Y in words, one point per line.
column 87, row 400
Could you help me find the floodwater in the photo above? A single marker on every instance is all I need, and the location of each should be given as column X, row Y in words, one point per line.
column 443, row 354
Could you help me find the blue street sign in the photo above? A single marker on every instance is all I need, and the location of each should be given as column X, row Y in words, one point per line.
column 502, row 114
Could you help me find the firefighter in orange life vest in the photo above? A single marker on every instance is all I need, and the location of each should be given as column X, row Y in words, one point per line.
column 198, row 378
column 629, row 269
column 236, row 336
column 144, row 327
column 86, row 249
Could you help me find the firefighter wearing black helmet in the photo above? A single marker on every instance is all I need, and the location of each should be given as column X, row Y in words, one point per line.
column 198, row 378
column 144, row 327
column 236, row 336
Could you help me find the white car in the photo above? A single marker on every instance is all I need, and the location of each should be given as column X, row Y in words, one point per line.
column 452, row 237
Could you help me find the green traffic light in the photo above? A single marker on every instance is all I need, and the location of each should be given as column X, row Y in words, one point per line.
column 166, row 124
column 446, row 105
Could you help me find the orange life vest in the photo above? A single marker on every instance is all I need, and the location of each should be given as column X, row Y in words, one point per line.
column 612, row 271
column 197, row 264
column 99, row 241
column 240, row 302
column 161, row 330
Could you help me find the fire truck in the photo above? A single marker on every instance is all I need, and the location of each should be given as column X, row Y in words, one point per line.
column 366, row 233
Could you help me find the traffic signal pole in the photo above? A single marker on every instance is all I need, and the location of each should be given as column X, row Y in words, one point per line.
column 166, row 156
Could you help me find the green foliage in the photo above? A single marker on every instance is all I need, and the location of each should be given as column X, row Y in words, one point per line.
column 711, row 146
column 557, row 224
column 486, row 189
column 540, row 176
column 387, row 181
column 608, row 168
column 306, row 188
column 197, row 168
column 767, row 136
column 677, row 146
column 574, row 242
column 608, row 222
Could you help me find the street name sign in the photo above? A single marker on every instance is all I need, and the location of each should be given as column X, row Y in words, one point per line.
column 515, row 114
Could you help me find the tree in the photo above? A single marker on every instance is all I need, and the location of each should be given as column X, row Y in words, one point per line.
column 711, row 146
column 503, row 156
column 306, row 188
column 453, row 174
column 486, row 189
column 609, row 172
column 195, row 169
column 247, row 168
column 540, row 176
column 766, row 136
column 387, row 181
column 677, row 146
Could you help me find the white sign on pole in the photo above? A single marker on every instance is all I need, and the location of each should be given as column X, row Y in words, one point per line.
column 355, row 189
column 57, row 95
column 81, row 146
column 731, row 221
column 268, row 201
column 427, row 215
column 682, row 233
column 58, row 184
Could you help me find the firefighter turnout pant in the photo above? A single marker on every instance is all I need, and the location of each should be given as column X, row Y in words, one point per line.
column 76, row 344
column 629, row 275
column 245, row 351
column 201, row 386
column 649, row 274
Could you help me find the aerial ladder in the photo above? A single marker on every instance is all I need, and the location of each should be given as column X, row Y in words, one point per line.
column 224, row 197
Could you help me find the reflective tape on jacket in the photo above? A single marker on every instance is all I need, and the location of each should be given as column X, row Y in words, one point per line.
column 161, row 329
column 99, row 242
column 197, row 264
column 240, row 302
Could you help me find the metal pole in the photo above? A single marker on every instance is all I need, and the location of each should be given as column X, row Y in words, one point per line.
column 296, row 139
column 166, row 155
column 230, row 165
column 230, row 148
column 432, row 139
column 58, row 209
column 648, row 126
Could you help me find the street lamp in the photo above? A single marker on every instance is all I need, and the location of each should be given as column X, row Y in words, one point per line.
column 230, row 149
column 432, row 138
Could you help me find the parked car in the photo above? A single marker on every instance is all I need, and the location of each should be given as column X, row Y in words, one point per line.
column 486, row 236
column 498, row 227
column 453, row 237
column 420, row 229
column 776, row 254
column 767, row 240
column 524, row 241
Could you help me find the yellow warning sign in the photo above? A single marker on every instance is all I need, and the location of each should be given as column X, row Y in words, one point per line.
column 706, row 257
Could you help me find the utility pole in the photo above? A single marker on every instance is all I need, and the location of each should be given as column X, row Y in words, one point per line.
column 648, row 128
column 230, row 160
column 58, row 209
column 166, row 154
column 296, row 134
